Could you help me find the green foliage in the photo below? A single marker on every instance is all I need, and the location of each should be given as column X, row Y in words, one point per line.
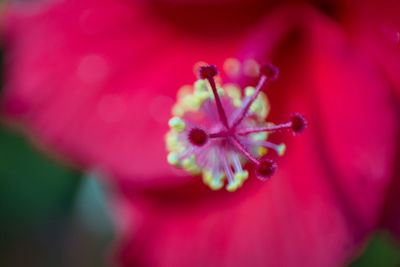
column 32, row 187
column 49, row 215
column 1, row 68
column 381, row 251
column 36, row 198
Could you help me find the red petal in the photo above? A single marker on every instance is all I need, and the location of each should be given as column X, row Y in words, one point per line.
column 96, row 80
column 327, row 194
column 375, row 28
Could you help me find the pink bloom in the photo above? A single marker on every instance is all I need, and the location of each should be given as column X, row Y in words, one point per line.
column 94, row 81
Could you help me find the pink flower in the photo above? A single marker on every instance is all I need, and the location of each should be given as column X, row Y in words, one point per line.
column 94, row 82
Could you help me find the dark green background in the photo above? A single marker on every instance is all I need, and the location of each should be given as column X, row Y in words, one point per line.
column 49, row 215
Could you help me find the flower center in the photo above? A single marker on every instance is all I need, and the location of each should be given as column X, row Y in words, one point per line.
column 220, row 154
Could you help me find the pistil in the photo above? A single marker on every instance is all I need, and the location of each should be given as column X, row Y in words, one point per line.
column 283, row 126
column 208, row 72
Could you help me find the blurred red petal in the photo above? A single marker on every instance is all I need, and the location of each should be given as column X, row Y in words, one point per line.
column 96, row 79
column 376, row 30
column 327, row 195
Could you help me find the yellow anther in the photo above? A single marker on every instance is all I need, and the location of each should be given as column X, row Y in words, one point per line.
column 177, row 124
column 261, row 106
column 235, row 94
column 173, row 159
column 249, row 91
column 241, row 176
column 262, row 151
column 216, row 184
column 184, row 90
column 256, row 107
column 220, row 92
column 281, row 149
column 191, row 102
column 233, row 91
column 231, row 187
column 202, row 95
column 190, row 165
column 178, row 110
column 173, row 144
column 207, row 177
column 194, row 170
column 188, row 162
column 261, row 136
column 238, row 179
column 237, row 102
column 200, row 85
column 213, row 181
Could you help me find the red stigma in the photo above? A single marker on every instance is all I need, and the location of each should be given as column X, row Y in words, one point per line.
column 208, row 72
column 298, row 123
column 265, row 169
column 270, row 71
column 198, row 137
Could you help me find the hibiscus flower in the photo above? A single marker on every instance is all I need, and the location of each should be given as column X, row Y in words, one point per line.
column 94, row 82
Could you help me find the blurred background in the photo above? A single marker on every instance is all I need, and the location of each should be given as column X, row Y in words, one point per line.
column 50, row 215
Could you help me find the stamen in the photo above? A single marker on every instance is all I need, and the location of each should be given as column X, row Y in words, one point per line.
column 214, row 180
column 173, row 158
column 208, row 72
column 236, row 162
column 189, row 163
column 177, row 124
column 227, row 168
column 185, row 154
column 239, row 176
column 200, row 141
